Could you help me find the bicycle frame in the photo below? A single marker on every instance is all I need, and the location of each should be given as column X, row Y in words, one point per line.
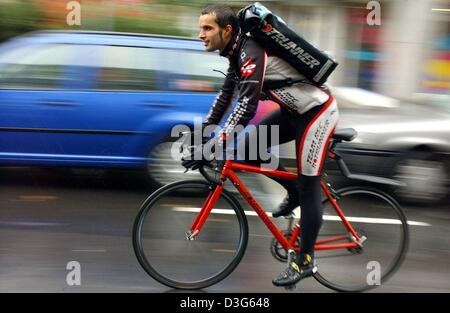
column 228, row 172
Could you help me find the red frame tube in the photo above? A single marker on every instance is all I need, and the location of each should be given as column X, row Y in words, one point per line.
column 259, row 210
column 197, row 219
column 339, row 211
column 295, row 234
column 234, row 166
column 228, row 172
column 332, row 239
column 206, row 210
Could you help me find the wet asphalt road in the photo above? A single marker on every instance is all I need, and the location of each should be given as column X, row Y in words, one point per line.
column 51, row 217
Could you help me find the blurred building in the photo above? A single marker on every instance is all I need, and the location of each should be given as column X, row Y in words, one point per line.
column 408, row 52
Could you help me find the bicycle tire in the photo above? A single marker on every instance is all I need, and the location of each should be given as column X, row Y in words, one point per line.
column 177, row 188
column 397, row 260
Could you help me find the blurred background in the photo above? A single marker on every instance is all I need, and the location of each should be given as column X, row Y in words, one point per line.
column 86, row 113
column 392, row 82
column 407, row 53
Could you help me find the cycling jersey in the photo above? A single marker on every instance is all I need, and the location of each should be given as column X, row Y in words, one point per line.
column 307, row 114
column 250, row 68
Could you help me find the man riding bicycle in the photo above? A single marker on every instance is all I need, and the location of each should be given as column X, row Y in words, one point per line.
column 307, row 114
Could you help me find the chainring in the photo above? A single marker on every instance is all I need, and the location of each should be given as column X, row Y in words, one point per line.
column 277, row 250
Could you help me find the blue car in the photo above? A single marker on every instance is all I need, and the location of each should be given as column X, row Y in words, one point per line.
column 96, row 99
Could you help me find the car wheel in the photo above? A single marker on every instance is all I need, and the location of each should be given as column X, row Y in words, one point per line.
column 164, row 165
column 426, row 178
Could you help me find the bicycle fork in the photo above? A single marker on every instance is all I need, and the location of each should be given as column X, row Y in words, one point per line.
column 206, row 209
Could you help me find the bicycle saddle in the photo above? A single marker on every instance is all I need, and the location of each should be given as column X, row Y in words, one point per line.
column 345, row 134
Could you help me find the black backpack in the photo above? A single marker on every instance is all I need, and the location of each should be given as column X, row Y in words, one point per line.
column 277, row 38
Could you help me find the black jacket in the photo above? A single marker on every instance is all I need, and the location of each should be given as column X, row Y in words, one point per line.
column 246, row 72
column 249, row 71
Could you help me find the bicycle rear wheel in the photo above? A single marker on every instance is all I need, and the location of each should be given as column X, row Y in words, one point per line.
column 374, row 215
column 161, row 245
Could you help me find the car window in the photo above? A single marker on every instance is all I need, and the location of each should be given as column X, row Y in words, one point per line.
column 33, row 67
column 110, row 68
column 135, row 68
column 193, row 71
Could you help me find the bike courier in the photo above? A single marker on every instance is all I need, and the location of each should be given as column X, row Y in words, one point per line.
column 266, row 65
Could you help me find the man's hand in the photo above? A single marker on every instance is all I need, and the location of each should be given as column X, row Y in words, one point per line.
column 202, row 154
column 199, row 155
column 195, row 159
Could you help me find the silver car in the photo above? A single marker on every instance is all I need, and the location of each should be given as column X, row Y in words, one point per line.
column 404, row 140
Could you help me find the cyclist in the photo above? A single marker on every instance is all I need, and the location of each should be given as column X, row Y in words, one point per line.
column 307, row 114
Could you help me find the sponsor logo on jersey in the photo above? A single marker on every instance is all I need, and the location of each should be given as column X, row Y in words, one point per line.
column 317, row 144
column 248, row 68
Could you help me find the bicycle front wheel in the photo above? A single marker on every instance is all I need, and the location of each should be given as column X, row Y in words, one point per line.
column 379, row 220
column 161, row 245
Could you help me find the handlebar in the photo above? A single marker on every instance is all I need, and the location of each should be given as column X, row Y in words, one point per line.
column 185, row 146
column 214, row 180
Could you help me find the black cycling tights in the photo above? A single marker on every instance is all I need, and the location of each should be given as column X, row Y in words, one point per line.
column 292, row 127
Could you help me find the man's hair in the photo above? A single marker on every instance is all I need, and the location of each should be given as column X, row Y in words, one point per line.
column 224, row 15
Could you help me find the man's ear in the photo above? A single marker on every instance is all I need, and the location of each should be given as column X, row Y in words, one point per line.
column 229, row 30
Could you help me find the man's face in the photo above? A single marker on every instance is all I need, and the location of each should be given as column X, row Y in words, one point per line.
column 211, row 34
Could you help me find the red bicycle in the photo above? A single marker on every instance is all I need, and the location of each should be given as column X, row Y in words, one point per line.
column 192, row 234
